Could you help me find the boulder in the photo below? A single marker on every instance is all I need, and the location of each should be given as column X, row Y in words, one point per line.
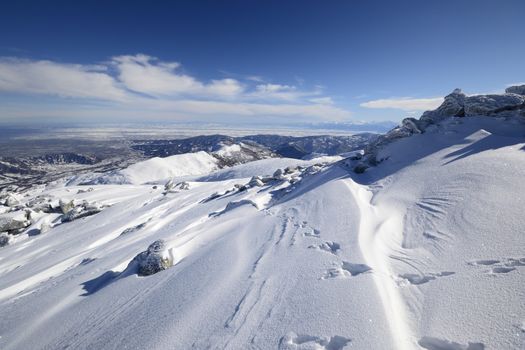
column 153, row 260
column 290, row 169
column 11, row 201
column 66, row 206
column 267, row 179
column 43, row 204
column 169, row 185
column 14, row 222
column 45, row 227
column 517, row 89
column 4, row 239
column 91, row 189
column 256, row 181
column 279, row 175
column 82, row 210
column 360, row 168
column 313, row 169
column 240, row 187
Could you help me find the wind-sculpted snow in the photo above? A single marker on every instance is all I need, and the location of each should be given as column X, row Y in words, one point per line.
column 422, row 251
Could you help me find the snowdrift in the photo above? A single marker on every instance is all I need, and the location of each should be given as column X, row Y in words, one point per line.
column 422, row 250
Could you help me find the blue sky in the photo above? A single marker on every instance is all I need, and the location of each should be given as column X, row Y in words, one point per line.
column 244, row 61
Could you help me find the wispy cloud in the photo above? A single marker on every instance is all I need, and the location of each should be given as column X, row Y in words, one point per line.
column 145, row 83
column 322, row 100
column 288, row 93
column 148, row 75
column 405, row 103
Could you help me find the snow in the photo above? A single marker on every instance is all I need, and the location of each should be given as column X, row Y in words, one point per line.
column 228, row 150
column 423, row 251
column 157, row 169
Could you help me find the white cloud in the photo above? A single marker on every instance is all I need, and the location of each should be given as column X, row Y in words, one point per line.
column 318, row 111
column 405, row 103
column 255, row 78
column 143, row 83
column 322, row 100
column 287, row 93
column 64, row 80
column 146, row 74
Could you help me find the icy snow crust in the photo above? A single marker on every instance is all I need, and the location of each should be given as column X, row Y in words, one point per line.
column 423, row 251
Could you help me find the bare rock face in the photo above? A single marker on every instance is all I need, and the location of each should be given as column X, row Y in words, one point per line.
column 517, row 89
column 153, row 260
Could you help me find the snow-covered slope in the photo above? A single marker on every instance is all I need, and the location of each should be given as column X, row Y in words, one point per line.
column 423, row 251
column 155, row 169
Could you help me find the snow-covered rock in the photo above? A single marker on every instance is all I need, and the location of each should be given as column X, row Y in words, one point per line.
column 184, row 186
column 491, row 104
column 82, row 210
column 256, row 181
column 171, row 186
column 452, row 106
column 278, row 173
column 44, row 204
column 4, row 239
column 66, row 206
column 9, row 199
column 155, row 259
column 517, row 89
column 14, row 221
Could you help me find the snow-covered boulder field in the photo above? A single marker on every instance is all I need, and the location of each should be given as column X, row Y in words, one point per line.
column 423, row 249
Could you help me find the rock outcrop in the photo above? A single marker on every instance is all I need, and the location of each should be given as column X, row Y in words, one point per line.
column 456, row 104
column 517, row 89
column 4, row 239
